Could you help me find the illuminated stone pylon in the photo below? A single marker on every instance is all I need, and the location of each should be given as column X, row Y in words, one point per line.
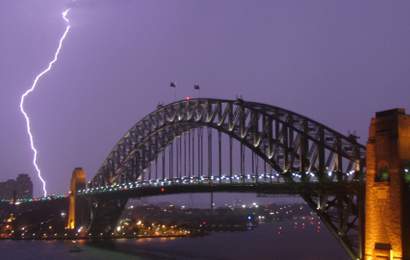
column 387, row 187
column 78, row 181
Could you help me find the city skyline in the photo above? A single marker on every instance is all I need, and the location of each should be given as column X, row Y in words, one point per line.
column 18, row 188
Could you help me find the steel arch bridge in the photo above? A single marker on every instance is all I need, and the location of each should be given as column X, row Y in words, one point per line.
column 279, row 152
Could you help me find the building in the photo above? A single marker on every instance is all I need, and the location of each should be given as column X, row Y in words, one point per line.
column 21, row 188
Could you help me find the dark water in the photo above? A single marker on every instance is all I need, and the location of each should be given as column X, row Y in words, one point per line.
column 288, row 240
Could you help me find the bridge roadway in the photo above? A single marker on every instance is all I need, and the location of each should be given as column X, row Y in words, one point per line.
column 264, row 184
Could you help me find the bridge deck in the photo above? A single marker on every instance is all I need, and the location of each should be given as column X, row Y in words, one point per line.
column 175, row 186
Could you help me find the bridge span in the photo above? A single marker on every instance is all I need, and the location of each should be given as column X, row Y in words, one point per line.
column 214, row 145
column 205, row 145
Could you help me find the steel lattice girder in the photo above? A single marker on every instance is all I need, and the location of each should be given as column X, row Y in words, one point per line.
column 289, row 142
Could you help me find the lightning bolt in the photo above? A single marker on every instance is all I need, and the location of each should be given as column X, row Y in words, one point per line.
column 33, row 87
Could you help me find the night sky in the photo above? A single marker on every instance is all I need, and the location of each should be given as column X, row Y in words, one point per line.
column 334, row 61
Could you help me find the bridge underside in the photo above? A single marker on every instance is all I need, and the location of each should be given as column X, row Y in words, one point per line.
column 335, row 203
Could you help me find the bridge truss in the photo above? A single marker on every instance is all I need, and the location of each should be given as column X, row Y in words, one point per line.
column 235, row 145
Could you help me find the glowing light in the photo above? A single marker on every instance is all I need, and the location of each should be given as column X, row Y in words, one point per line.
column 32, row 88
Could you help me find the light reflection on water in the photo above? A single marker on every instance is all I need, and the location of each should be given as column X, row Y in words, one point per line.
column 303, row 240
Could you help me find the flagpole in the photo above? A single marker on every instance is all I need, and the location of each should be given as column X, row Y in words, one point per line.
column 196, row 87
column 173, row 85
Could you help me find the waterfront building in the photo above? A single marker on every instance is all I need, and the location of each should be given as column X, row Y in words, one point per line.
column 20, row 188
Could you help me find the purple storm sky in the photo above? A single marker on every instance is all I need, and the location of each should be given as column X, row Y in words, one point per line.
column 335, row 61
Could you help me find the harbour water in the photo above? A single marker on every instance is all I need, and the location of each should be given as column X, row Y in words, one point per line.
column 287, row 240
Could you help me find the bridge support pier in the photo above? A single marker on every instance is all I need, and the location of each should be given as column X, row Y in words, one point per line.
column 387, row 213
column 77, row 206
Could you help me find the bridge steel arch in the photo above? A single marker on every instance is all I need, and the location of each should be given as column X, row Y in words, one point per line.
column 297, row 148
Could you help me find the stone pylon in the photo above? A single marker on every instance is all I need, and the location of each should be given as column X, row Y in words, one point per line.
column 75, row 213
column 387, row 180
